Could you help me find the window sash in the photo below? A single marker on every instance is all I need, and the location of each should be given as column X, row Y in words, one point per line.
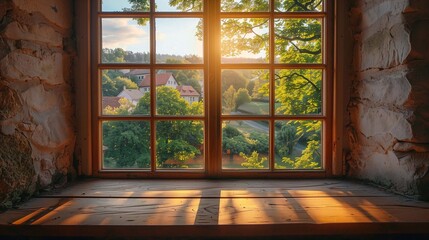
column 212, row 68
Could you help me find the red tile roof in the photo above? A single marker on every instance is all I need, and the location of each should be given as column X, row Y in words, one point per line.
column 187, row 91
column 110, row 101
column 161, row 79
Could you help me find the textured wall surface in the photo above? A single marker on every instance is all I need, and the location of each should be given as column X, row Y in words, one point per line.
column 389, row 107
column 36, row 110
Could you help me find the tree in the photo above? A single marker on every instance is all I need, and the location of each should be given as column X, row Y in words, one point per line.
column 251, row 87
column 229, row 97
column 253, row 161
column 108, row 86
column 286, row 139
column 127, row 143
column 242, row 97
column 179, row 140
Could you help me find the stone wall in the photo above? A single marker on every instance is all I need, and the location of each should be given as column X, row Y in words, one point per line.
column 389, row 106
column 36, row 126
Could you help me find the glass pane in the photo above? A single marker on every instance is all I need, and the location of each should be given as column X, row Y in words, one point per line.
column 244, row 5
column 298, row 91
column 125, row 144
column 179, row 145
column 125, row 5
column 123, row 93
column 245, row 92
column 179, row 6
column 298, row 144
column 245, row 144
column 180, row 92
column 125, row 40
column 298, row 5
column 181, row 44
column 298, row 40
column 244, row 40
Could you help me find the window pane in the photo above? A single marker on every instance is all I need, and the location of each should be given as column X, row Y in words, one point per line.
column 298, row 91
column 298, row 40
column 125, row 144
column 245, row 92
column 244, row 5
column 181, row 44
column 298, row 5
column 125, row 5
column 179, row 92
column 298, row 144
column 245, row 144
column 125, row 40
column 179, row 6
column 122, row 93
column 244, row 40
column 179, row 144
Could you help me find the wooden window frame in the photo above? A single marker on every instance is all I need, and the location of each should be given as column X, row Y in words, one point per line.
column 212, row 68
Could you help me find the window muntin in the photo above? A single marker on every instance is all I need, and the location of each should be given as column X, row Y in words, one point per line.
column 281, row 55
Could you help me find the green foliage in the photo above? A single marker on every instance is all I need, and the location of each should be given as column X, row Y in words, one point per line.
column 286, row 139
column 303, row 134
column 127, row 142
column 253, row 161
column 229, row 132
column 298, row 5
column 299, row 91
column 250, row 87
column 260, row 142
column 113, row 83
column 229, row 97
column 244, row 6
column 242, row 97
column 309, row 159
column 235, row 142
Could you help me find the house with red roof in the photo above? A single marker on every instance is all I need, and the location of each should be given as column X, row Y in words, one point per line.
column 188, row 93
column 167, row 79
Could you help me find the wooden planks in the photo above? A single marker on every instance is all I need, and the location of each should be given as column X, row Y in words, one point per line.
column 219, row 203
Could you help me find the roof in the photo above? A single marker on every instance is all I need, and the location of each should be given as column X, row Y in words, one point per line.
column 161, row 79
column 135, row 94
column 187, row 91
column 135, row 72
column 111, row 102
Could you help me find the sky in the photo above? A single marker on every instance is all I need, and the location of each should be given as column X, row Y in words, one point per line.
column 173, row 36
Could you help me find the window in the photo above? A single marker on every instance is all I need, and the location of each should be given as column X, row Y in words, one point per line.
column 213, row 87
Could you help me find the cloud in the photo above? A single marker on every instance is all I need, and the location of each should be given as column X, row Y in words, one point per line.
column 123, row 33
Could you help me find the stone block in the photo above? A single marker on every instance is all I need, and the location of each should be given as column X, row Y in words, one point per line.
column 386, row 87
column 373, row 121
column 399, row 174
column 57, row 12
column 10, row 104
column 20, row 66
column 16, row 170
column 385, row 49
column 37, row 32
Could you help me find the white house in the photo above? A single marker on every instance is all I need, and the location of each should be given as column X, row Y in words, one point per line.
column 188, row 93
column 133, row 95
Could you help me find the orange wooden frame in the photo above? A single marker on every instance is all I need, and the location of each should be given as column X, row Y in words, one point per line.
column 212, row 102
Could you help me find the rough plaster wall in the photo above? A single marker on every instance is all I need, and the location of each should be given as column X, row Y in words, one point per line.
column 36, row 130
column 389, row 107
